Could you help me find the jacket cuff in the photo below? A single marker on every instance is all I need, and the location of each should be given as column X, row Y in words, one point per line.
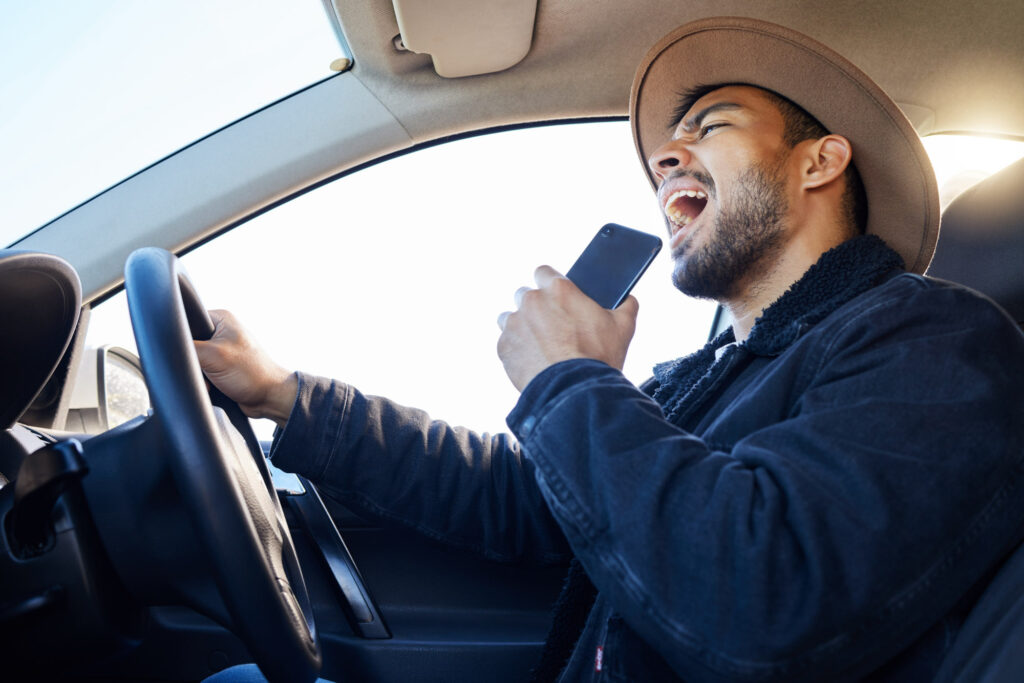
column 544, row 389
column 313, row 432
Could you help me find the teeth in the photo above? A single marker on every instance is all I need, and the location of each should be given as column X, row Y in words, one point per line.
column 686, row 193
column 677, row 217
column 674, row 214
column 693, row 194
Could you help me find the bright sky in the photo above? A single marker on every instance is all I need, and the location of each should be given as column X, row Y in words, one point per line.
column 94, row 91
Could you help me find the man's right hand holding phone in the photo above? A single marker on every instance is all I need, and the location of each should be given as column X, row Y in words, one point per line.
column 556, row 322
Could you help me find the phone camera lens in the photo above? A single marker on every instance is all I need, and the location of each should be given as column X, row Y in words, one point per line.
column 606, row 230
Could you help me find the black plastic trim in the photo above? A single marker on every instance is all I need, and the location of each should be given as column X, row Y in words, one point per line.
column 361, row 609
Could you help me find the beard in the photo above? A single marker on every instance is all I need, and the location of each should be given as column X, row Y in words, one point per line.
column 743, row 242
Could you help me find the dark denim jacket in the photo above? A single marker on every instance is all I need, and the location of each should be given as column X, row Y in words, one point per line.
column 817, row 502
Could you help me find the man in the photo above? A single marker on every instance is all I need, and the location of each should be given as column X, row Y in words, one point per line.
column 815, row 495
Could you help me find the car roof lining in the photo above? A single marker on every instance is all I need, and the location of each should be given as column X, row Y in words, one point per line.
column 579, row 67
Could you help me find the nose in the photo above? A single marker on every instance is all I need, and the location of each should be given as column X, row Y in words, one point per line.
column 670, row 156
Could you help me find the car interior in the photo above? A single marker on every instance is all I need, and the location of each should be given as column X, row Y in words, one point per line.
column 163, row 546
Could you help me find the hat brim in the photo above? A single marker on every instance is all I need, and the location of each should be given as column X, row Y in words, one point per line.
column 903, row 199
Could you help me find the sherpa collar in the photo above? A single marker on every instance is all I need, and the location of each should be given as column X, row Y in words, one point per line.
column 841, row 274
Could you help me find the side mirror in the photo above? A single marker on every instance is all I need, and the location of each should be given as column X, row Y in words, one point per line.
column 110, row 391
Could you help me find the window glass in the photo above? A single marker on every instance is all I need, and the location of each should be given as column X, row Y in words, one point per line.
column 94, row 91
column 393, row 278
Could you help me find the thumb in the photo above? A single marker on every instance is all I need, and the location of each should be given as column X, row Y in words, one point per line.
column 625, row 315
column 224, row 324
column 628, row 310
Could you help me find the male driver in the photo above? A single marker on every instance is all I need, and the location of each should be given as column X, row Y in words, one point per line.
column 812, row 496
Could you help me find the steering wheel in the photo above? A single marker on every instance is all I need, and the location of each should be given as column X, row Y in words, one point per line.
column 221, row 474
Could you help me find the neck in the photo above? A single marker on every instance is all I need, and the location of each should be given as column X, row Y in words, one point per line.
column 772, row 280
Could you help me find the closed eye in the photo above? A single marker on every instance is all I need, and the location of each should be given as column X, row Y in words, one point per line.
column 705, row 129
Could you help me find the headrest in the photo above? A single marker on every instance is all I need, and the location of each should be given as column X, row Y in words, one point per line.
column 40, row 299
column 981, row 243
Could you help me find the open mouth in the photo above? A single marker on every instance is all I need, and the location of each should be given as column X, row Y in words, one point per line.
column 683, row 206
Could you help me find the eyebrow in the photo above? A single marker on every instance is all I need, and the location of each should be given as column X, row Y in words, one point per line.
column 693, row 123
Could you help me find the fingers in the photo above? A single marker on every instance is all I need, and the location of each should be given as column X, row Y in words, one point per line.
column 520, row 293
column 545, row 275
column 225, row 347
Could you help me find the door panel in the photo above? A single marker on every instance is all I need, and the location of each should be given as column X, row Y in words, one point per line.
column 450, row 615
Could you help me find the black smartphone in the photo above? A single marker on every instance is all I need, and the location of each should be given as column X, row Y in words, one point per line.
column 613, row 262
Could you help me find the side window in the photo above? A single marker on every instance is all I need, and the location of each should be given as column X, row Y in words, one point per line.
column 392, row 278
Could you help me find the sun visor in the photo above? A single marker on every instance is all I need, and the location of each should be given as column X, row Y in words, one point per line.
column 468, row 37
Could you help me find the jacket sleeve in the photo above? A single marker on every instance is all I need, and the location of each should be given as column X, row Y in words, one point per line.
column 814, row 547
column 394, row 464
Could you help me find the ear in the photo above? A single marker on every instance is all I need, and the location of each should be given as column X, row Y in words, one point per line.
column 824, row 160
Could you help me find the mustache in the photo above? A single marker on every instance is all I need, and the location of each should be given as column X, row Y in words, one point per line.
column 702, row 178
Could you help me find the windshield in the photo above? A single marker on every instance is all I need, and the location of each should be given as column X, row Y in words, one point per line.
column 95, row 91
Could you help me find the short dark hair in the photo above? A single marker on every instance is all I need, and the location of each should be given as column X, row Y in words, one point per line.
column 799, row 125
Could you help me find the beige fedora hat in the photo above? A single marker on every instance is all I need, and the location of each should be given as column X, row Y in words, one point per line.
column 903, row 200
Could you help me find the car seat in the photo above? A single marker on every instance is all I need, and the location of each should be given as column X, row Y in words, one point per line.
column 981, row 245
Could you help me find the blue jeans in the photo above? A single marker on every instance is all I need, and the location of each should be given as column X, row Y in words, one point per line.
column 243, row 673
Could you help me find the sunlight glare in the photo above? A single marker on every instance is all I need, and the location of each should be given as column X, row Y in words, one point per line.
column 961, row 161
